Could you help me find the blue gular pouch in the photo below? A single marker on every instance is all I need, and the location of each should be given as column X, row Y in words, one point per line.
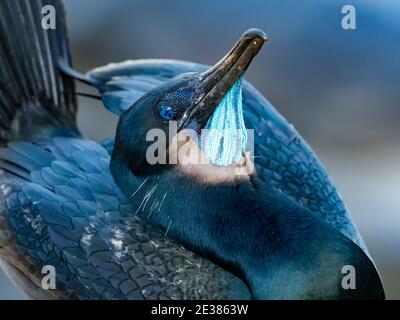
column 225, row 138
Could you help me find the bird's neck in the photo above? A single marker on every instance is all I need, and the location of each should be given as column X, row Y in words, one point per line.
column 223, row 222
column 278, row 248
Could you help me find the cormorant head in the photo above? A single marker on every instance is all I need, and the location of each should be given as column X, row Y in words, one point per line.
column 166, row 126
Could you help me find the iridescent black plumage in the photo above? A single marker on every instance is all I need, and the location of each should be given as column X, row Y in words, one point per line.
column 61, row 205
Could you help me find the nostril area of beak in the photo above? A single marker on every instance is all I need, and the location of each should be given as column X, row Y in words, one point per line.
column 255, row 34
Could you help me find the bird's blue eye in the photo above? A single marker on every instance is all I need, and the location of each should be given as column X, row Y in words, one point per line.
column 166, row 112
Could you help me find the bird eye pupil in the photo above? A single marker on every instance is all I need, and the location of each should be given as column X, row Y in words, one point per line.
column 166, row 112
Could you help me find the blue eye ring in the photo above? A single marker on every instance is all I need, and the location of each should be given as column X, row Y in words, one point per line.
column 166, row 112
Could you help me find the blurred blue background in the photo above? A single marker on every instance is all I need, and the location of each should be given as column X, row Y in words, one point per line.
column 340, row 88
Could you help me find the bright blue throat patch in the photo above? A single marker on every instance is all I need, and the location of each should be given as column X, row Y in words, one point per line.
column 225, row 140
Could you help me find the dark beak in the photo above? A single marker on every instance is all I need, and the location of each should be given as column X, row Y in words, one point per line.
column 216, row 81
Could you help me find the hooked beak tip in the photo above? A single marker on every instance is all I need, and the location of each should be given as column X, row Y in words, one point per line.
column 217, row 80
column 255, row 33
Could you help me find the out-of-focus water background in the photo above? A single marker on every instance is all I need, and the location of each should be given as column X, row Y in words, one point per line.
column 340, row 88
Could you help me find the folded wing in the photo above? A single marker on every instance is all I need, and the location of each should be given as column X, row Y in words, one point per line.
column 62, row 208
